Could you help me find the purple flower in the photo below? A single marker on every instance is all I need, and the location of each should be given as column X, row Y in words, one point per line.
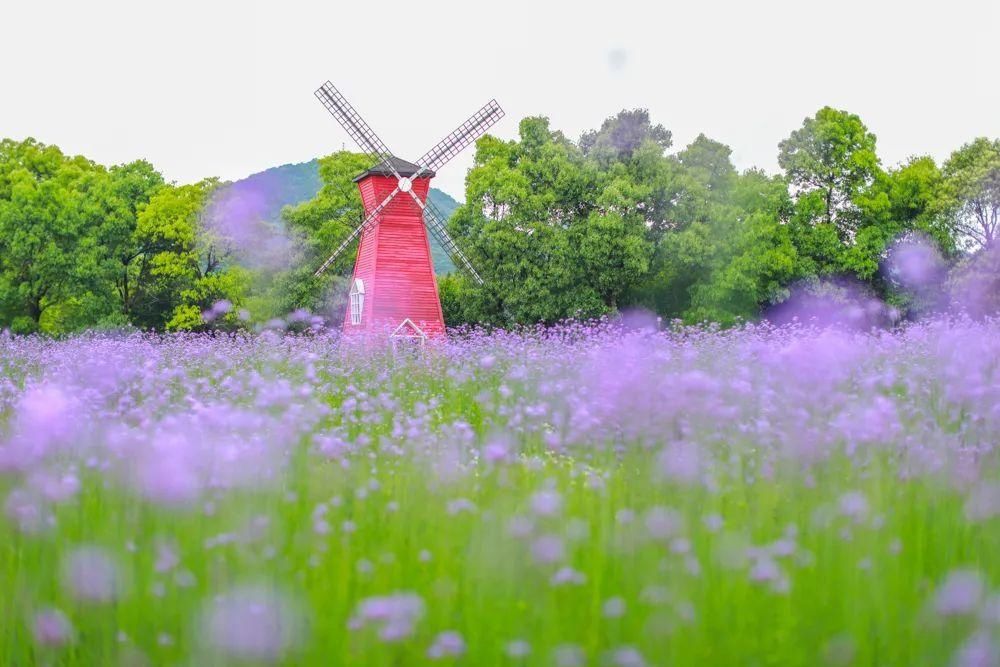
column 394, row 616
column 613, row 607
column 459, row 505
column 548, row 549
column 448, row 644
column 568, row 655
column 166, row 557
column 765, row 569
column 983, row 502
column 960, row 594
column 252, row 623
column 50, row 627
column 517, row 649
column 663, row 523
column 546, row 503
column 853, row 505
column 91, row 574
column 681, row 461
column 29, row 512
column 980, row 650
column 568, row 576
column 626, row 656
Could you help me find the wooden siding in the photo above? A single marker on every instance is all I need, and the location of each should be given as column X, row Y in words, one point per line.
column 394, row 261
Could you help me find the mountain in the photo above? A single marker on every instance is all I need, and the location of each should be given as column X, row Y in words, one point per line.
column 291, row 184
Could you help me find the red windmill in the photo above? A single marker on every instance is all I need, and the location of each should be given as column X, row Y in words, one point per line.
column 393, row 289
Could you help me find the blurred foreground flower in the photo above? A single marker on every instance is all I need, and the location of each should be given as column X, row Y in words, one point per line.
column 252, row 623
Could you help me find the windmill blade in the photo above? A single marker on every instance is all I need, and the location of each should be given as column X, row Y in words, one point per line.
column 370, row 221
column 435, row 223
column 352, row 122
column 464, row 134
column 434, row 220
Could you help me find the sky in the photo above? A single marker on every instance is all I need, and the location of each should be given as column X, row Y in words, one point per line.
column 225, row 88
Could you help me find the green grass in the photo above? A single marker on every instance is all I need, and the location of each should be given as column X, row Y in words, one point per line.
column 483, row 583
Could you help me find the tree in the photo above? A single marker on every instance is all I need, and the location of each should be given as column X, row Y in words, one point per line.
column 622, row 134
column 708, row 163
column 726, row 267
column 829, row 161
column 975, row 283
column 971, row 193
column 48, row 259
column 124, row 253
column 186, row 268
column 556, row 233
column 320, row 225
column 899, row 203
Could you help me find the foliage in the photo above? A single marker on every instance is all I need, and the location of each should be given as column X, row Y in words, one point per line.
column 558, row 228
column 971, row 193
column 556, row 231
column 974, row 286
column 847, row 210
column 186, row 267
column 726, row 266
column 621, row 135
column 319, row 225
column 829, row 161
column 46, row 208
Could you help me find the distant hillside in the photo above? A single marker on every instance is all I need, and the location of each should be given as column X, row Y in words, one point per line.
column 291, row 184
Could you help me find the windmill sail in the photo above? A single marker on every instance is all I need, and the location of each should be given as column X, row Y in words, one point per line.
column 435, row 223
column 370, row 221
column 464, row 134
column 363, row 135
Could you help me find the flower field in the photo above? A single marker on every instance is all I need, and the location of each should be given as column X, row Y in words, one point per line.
column 574, row 496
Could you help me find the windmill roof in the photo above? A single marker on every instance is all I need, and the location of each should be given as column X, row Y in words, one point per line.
column 403, row 167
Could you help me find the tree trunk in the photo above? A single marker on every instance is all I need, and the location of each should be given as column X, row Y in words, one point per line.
column 35, row 309
column 124, row 290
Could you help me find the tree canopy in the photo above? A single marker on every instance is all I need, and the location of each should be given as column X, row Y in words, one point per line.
column 557, row 228
column 971, row 192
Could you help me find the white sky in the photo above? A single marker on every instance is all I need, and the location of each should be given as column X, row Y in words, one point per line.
column 225, row 88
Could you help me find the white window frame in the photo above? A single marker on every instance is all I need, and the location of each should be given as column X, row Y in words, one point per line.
column 357, row 300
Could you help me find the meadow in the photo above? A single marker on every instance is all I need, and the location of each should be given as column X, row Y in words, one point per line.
column 579, row 495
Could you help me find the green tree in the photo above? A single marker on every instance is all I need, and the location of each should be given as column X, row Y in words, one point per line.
column 829, row 162
column 708, row 162
column 124, row 255
column 48, row 256
column 320, row 225
column 899, row 202
column 622, row 134
column 186, row 268
column 971, row 193
column 727, row 266
column 556, row 233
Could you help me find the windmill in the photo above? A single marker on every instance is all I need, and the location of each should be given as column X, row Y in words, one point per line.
column 393, row 288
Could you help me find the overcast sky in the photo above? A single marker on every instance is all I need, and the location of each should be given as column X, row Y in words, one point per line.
column 225, row 88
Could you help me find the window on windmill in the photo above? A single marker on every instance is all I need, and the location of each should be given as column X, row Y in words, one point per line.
column 357, row 300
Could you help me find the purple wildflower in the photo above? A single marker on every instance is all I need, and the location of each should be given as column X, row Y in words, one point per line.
column 51, row 627
column 91, row 574
column 960, row 594
column 448, row 644
column 252, row 623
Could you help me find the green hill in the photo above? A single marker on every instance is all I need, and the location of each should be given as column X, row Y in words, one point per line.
column 291, row 184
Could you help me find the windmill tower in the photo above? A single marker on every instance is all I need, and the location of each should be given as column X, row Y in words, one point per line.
column 393, row 288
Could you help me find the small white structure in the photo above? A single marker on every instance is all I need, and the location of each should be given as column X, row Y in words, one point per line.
column 408, row 333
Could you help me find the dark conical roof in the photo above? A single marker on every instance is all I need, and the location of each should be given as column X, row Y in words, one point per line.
column 403, row 167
